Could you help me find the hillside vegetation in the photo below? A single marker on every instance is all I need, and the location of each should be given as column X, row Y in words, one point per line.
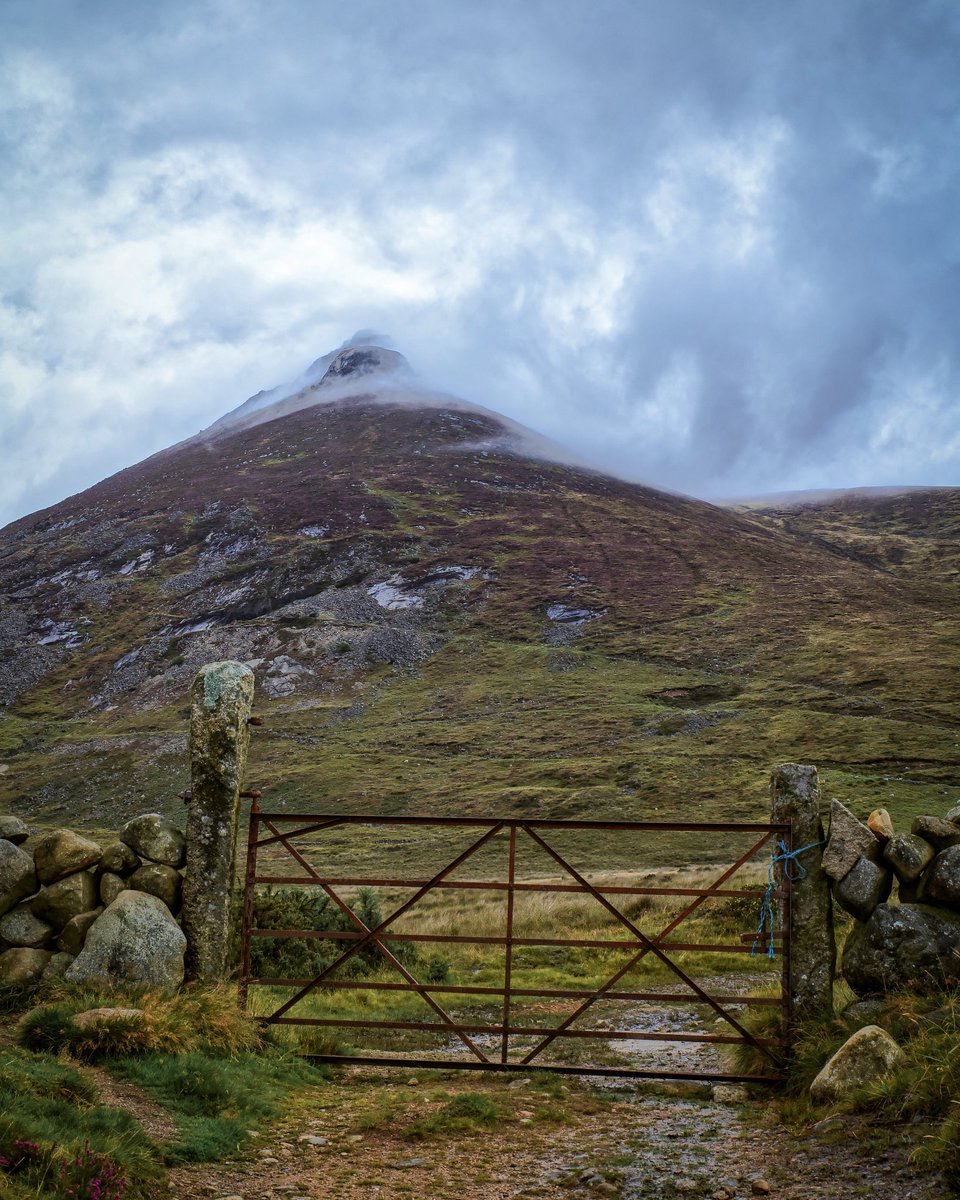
column 439, row 623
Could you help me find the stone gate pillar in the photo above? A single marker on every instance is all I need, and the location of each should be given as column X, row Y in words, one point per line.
column 795, row 796
column 221, row 697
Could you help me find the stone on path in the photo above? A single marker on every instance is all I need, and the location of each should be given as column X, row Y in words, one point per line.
column 869, row 1054
column 18, row 875
column 849, row 839
column 62, row 852
column 903, row 948
column 135, row 940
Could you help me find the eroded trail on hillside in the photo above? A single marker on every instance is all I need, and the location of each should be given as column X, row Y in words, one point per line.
column 372, row 1132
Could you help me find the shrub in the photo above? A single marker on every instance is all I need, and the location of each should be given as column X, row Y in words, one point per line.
column 305, row 958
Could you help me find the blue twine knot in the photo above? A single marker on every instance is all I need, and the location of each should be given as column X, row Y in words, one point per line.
column 793, row 870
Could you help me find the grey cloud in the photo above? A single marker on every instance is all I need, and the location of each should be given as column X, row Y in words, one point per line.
column 709, row 244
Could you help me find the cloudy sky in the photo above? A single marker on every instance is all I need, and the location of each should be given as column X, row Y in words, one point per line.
column 711, row 244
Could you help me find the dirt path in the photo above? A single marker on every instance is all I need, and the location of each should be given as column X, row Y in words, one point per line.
column 354, row 1141
column 363, row 1135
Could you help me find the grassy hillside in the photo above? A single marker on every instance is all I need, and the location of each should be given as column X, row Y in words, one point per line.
column 554, row 641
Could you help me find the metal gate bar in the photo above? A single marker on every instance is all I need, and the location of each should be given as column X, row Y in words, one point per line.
column 640, row 943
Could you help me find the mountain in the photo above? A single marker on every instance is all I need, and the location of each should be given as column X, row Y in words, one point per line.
column 443, row 616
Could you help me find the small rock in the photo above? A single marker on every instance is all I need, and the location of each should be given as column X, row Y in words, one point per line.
column 953, row 815
column 519, row 1083
column 56, row 968
column 864, row 1012
column 760, row 1187
column 159, row 880
column 355, row 1137
column 879, row 823
column 111, row 886
column 829, row 1125
column 869, row 1054
column 407, row 1164
column 311, row 1139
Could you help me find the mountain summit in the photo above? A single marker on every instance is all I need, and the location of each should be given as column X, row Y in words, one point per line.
column 443, row 618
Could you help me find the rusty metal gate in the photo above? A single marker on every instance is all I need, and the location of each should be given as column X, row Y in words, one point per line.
column 499, row 1040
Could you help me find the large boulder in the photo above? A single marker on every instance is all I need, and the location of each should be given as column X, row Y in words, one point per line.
column 22, row 966
column 849, row 840
column 941, row 884
column 903, row 948
column 65, row 899
column 869, row 1054
column 20, row 927
column 154, row 837
column 135, row 940
column 909, row 855
column 61, row 852
column 18, row 875
column 163, row 882
column 13, row 829
column 863, row 887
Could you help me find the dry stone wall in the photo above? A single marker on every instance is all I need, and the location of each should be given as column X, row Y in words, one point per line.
column 903, row 889
column 90, row 912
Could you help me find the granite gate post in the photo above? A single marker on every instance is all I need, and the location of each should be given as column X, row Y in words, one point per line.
column 795, row 796
column 221, row 697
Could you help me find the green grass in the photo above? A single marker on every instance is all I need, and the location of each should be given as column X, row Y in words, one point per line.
column 470, row 1112
column 195, row 1055
column 56, row 1111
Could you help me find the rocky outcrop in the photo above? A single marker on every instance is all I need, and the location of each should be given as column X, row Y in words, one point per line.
column 869, row 1054
column 136, row 940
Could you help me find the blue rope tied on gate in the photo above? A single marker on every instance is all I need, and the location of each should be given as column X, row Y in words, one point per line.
column 793, row 870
